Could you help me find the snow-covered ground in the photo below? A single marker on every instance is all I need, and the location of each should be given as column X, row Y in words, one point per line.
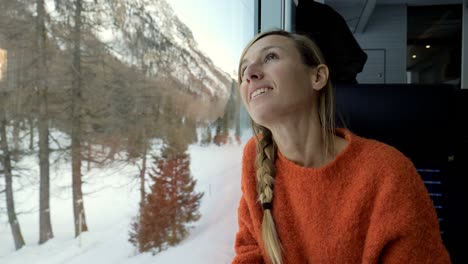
column 111, row 203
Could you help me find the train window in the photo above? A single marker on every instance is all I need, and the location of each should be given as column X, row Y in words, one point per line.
column 121, row 129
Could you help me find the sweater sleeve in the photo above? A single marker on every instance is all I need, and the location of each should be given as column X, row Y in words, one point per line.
column 403, row 223
column 246, row 246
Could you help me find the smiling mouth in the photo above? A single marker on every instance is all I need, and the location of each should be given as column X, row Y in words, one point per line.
column 259, row 92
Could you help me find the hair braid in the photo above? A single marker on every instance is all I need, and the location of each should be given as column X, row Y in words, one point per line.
column 265, row 164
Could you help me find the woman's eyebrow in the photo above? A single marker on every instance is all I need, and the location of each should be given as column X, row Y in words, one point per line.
column 270, row 47
column 263, row 50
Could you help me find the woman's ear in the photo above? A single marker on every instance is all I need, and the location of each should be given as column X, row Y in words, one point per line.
column 319, row 76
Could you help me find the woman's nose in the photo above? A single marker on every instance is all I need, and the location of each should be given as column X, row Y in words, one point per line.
column 253, row 73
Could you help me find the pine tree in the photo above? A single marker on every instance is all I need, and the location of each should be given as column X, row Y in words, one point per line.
column 170, row 207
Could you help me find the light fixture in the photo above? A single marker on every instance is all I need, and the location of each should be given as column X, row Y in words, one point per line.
column 414, row 56
column 428, row 46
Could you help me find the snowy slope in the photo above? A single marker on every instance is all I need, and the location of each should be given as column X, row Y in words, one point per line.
column 148, row 34
column 112, row 204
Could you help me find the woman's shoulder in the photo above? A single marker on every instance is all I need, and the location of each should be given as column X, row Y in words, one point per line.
column 251, row 143
column 382, row 153
column 387, row 170
column 248, row 179
column 385, row 160
column 250, row 148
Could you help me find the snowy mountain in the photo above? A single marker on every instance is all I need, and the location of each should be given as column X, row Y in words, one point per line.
column 148, row 35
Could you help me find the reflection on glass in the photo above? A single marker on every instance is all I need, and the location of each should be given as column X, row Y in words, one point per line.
column 434, row 44
column 124, row 126
column 3, row 63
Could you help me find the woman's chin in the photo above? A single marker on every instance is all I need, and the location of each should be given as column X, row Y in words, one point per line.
column 263, row 118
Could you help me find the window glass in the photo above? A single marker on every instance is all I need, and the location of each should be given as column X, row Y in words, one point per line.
column 121, row 130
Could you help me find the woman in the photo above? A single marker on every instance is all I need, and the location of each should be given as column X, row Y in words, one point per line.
column 315, row 194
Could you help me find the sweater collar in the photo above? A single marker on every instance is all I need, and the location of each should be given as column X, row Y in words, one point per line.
column 282, row 161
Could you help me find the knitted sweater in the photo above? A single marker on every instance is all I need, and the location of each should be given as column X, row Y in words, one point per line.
column 369, row 205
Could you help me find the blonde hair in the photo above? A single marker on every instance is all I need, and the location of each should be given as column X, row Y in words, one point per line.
column 266, row 146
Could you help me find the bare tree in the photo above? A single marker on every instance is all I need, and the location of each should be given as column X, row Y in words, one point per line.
column 45, row 227
column 7, row 170
column 78, row 206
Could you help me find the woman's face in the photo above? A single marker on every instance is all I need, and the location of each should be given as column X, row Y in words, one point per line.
column 276, row 84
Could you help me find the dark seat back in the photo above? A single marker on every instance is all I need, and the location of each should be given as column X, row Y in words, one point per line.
column 425, row 122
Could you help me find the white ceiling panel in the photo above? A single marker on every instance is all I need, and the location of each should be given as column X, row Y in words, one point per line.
column 390, row 2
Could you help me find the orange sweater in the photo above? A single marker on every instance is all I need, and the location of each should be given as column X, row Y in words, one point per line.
column 367, row 206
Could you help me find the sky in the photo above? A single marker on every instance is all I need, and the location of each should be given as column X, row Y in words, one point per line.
column 221, row 28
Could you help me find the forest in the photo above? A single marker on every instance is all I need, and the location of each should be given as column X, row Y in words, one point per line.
column 95, row 83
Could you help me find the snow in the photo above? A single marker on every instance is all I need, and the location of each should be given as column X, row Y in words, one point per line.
column 111, row 201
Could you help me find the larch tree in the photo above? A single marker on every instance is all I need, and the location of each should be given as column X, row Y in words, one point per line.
column 171, row 206
column 45, row 226
column 7, row 171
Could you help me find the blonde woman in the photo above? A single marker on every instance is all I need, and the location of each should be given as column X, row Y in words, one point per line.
column 312, row 193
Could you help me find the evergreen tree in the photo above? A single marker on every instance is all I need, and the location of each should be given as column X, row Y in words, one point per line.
column 170, row 207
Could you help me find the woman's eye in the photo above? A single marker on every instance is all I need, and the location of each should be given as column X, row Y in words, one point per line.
column 243, row 71
column 270, row 56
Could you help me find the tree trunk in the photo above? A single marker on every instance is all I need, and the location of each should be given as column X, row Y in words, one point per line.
column 78, row 207
column 174, row 193
column 16, row 135
column 45, row 227
column 143, row 165
column 14, row 224
column 142, row 178
column 31, row 132
column 88, row 163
